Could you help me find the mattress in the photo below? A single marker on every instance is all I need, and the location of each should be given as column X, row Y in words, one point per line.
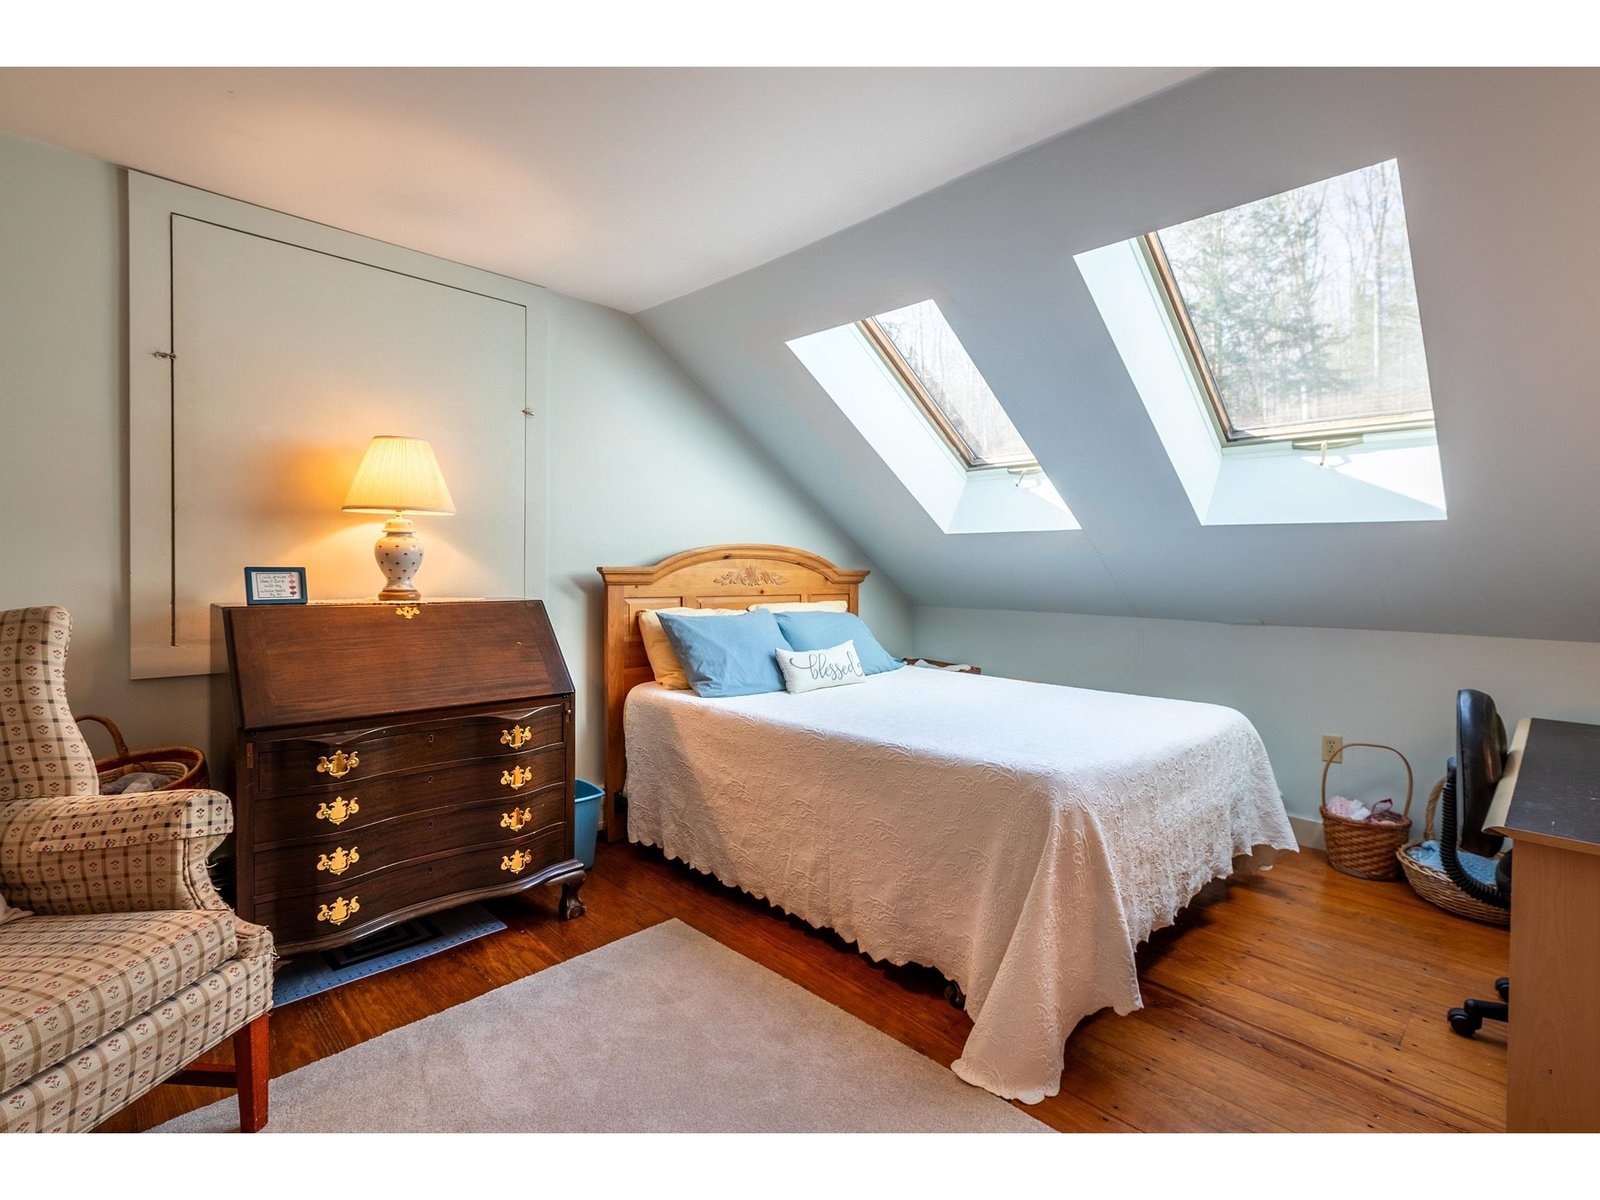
column 1022, row 838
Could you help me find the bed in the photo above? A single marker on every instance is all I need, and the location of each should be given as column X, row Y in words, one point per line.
column 1021, row 838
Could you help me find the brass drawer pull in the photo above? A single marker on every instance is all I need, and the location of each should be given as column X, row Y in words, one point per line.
column 516, row 777
column 516, row 737
column 408, row 611
column 340, row 765
column 515, row 861
column 339, row 811
column 516, row 818
column 340, row 911
column 339, row 861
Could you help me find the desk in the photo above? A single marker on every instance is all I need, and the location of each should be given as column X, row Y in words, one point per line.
column 1548, row 803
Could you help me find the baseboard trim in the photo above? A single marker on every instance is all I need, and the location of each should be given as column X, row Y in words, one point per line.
column 1307, row 832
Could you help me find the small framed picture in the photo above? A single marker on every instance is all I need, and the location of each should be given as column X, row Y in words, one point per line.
column 274, row 585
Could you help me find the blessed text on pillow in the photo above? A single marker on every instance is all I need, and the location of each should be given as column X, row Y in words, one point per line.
column 808, row 670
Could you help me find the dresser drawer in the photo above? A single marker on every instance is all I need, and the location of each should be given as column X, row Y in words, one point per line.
column 340, row 858
column 343, row 913
column 340, row 758
column 323, row 814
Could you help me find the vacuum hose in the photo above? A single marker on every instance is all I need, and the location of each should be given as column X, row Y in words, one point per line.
column 1484, row 893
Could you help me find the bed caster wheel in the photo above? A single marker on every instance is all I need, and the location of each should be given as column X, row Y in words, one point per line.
column 1502, row 988
column 953, row 993
column 1464, row 1023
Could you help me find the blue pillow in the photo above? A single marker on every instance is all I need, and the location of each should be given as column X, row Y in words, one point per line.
column 727, row 656
column 820, row 630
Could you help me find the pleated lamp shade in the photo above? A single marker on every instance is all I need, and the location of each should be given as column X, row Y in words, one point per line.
column 399, row 474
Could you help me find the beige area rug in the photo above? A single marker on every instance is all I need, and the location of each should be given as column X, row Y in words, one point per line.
column 664, row 1031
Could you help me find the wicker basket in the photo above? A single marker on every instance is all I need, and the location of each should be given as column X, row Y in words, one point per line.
column 1365, row 849
column 1435, row 887
column 184, row 766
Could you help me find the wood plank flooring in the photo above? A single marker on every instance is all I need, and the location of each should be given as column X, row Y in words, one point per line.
column 1299, row 1000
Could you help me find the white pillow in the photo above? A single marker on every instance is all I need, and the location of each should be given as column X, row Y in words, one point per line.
column 808, row 606
column 663, row 658
column 808, row 670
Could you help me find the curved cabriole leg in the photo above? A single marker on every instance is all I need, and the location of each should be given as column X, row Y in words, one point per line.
column 571, row 906
column 954, row 994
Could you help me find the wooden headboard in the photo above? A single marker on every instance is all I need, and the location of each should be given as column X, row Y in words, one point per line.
column 711, row 577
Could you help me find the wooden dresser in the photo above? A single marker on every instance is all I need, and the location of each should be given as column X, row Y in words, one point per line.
column 392, row 760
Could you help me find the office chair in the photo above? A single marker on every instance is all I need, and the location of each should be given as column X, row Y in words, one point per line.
column 1472, row 777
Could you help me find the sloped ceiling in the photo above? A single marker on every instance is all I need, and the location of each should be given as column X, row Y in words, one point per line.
column 623, row 185
column 1500, row 190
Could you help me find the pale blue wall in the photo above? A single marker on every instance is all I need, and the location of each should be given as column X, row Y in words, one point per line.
column 641, row 465
column 1295, row 684
column 63, row 432
column 644, row 465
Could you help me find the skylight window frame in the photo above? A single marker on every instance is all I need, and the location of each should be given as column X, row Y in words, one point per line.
column 1177, row 312
column 885, row 348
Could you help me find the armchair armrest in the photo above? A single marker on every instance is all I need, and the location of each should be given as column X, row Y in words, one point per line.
column 132, row 853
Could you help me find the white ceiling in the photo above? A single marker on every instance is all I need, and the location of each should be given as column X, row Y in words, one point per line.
column 625, row 186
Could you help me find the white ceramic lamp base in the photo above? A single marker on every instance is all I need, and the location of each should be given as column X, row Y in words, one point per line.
column 399, row 555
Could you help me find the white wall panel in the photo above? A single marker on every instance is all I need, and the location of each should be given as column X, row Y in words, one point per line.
column 641, row 463
column 294, row 345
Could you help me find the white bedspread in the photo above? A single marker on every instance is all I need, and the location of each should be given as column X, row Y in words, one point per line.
column 1022, row 838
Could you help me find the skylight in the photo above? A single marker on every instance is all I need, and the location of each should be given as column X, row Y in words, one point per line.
column 1299, row 311
column 906, row 384
column 917, row 343
column 1277, row 349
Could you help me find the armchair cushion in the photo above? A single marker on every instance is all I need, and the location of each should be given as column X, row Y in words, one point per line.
column 139, row 819
column 133, row 853
column 66, row 982
column 88, row 1086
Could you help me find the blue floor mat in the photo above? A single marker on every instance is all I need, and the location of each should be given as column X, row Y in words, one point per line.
column 392, row 947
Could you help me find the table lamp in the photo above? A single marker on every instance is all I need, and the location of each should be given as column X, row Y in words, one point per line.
column 399, row 475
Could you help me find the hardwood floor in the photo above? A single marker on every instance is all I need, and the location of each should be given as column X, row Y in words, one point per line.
column 1300, row 1000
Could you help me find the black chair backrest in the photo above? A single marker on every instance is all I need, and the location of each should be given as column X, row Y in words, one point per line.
column 1480, row 761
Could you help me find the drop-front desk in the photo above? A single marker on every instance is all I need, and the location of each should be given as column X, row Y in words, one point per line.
column 1548, row 803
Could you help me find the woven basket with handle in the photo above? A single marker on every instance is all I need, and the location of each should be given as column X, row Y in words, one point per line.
column 184, row 766
column 1365, row 849
column 1434, row 885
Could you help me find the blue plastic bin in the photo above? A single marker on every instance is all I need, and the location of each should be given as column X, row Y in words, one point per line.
column 586, row 821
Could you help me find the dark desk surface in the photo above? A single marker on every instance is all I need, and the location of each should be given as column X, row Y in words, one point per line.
column 1551, row 791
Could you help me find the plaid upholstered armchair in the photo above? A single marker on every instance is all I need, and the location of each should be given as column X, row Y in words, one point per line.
column 129, row 966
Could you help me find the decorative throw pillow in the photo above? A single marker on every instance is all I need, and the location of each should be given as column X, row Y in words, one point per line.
column 807, row 606
column 727, row 656
column 663, row 661
column 808, row 670
column 820, row 630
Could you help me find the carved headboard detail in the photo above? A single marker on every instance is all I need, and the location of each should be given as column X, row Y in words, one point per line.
column 711, row 577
